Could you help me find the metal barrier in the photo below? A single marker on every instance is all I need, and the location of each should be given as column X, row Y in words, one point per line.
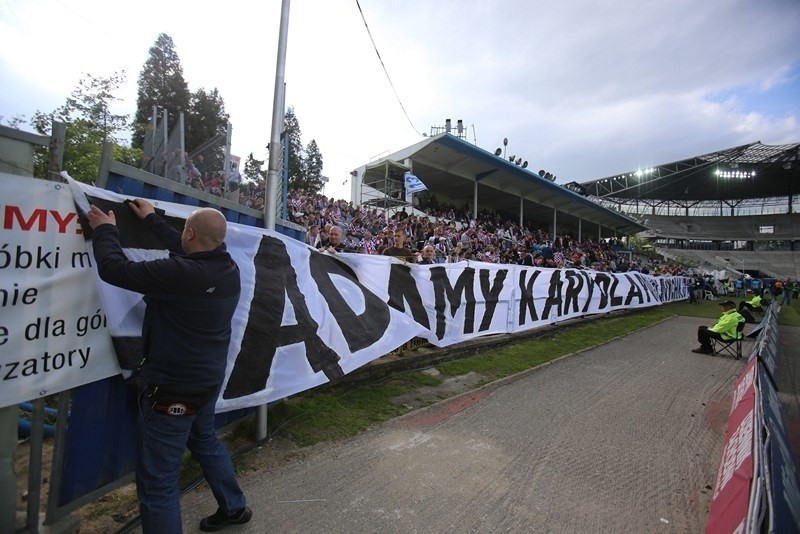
column 756, row 488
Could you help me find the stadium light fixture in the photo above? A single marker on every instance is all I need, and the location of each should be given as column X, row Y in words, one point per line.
column 741, row 174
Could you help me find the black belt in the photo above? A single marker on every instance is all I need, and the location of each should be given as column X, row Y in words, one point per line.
column 178, row 399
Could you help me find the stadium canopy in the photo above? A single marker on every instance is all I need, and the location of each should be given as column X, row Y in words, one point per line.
column 752, row 171
column 460, row 173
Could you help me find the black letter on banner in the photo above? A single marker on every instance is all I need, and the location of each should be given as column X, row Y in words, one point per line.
column 615, row 300
column 649, row 290
column 274, row 279
column 360, row 331
column 443, row 290
column 602, row 280
column 526, row 295
column 553, row 295
column 590, row 283
column 403, row 287
column 490, row 295
column 573, row 292
column 634, row 291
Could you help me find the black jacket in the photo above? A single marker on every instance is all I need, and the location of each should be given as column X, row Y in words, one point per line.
column 190, row 303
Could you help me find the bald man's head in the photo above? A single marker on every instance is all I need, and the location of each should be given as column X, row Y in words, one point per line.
column 205, row 230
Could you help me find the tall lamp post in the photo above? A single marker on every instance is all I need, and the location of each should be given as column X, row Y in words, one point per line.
column 271, row 190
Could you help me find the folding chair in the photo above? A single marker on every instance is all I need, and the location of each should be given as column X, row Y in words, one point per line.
column 731, row 347
column 709, row 295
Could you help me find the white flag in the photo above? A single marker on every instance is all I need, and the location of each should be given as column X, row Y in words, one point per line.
column 413, row 184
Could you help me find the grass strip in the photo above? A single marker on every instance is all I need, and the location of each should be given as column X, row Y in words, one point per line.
column 342, row 411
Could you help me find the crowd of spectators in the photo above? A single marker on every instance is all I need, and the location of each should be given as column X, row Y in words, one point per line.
column 436, row 233
column 452, row 233
column 455, row 235
column 433, row 232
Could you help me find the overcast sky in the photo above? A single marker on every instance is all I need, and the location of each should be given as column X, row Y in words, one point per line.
column 583, row 89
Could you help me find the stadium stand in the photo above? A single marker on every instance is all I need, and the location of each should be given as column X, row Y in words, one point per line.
column 733, row 209
column 742, row 228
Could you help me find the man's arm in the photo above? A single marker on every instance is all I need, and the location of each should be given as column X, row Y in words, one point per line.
column 114, row 266
column 169, row 236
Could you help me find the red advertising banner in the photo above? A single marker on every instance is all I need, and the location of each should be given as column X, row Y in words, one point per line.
column 744, row 386
column 728, row 511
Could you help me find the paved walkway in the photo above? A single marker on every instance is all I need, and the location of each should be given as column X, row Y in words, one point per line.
column 625, row 437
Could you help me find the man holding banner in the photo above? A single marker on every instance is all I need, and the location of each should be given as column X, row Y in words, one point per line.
column 191, row 298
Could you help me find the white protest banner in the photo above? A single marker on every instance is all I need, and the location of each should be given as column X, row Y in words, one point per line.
column 53, row 333
column 306, row 318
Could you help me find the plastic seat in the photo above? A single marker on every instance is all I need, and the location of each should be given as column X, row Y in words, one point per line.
column 731, row 347
column 709, row 295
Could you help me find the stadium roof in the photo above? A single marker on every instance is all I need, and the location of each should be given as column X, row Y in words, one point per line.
column 748, row 171
column 450, row 167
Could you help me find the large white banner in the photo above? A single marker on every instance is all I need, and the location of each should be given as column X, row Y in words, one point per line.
column 53, row 333
column 306, row 318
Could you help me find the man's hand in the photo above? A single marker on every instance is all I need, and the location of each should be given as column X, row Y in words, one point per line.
column 141, row 207
column 97, row 217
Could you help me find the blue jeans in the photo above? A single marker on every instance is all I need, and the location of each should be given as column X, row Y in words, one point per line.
column 161, row 440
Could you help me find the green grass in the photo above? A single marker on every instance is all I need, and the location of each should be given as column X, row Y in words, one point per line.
column 790, row 315
column 521, row 356
column 341, row 411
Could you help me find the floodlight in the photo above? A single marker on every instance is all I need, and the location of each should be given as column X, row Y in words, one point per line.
column 505, row 141
column 460, row 126
column 447, row 125
column 541, row 173
column 524, row 164
column 498, row 151
column 512, row 158
column 519, row 161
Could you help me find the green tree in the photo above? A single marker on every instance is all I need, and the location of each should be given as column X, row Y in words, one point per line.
column 305, row 165
column 312, row 169
column 293, row 135
column 205, row 128
column 254, row 170
column 161, row 84
column 89, row 122
column 206, row 118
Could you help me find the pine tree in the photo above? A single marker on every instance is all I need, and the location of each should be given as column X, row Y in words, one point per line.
column 254, row 170
column 296, row 155
column 312, row 169
column 161, row 84
column 206, row 118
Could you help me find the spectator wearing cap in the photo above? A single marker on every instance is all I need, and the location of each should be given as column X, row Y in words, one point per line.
column 725, row 329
